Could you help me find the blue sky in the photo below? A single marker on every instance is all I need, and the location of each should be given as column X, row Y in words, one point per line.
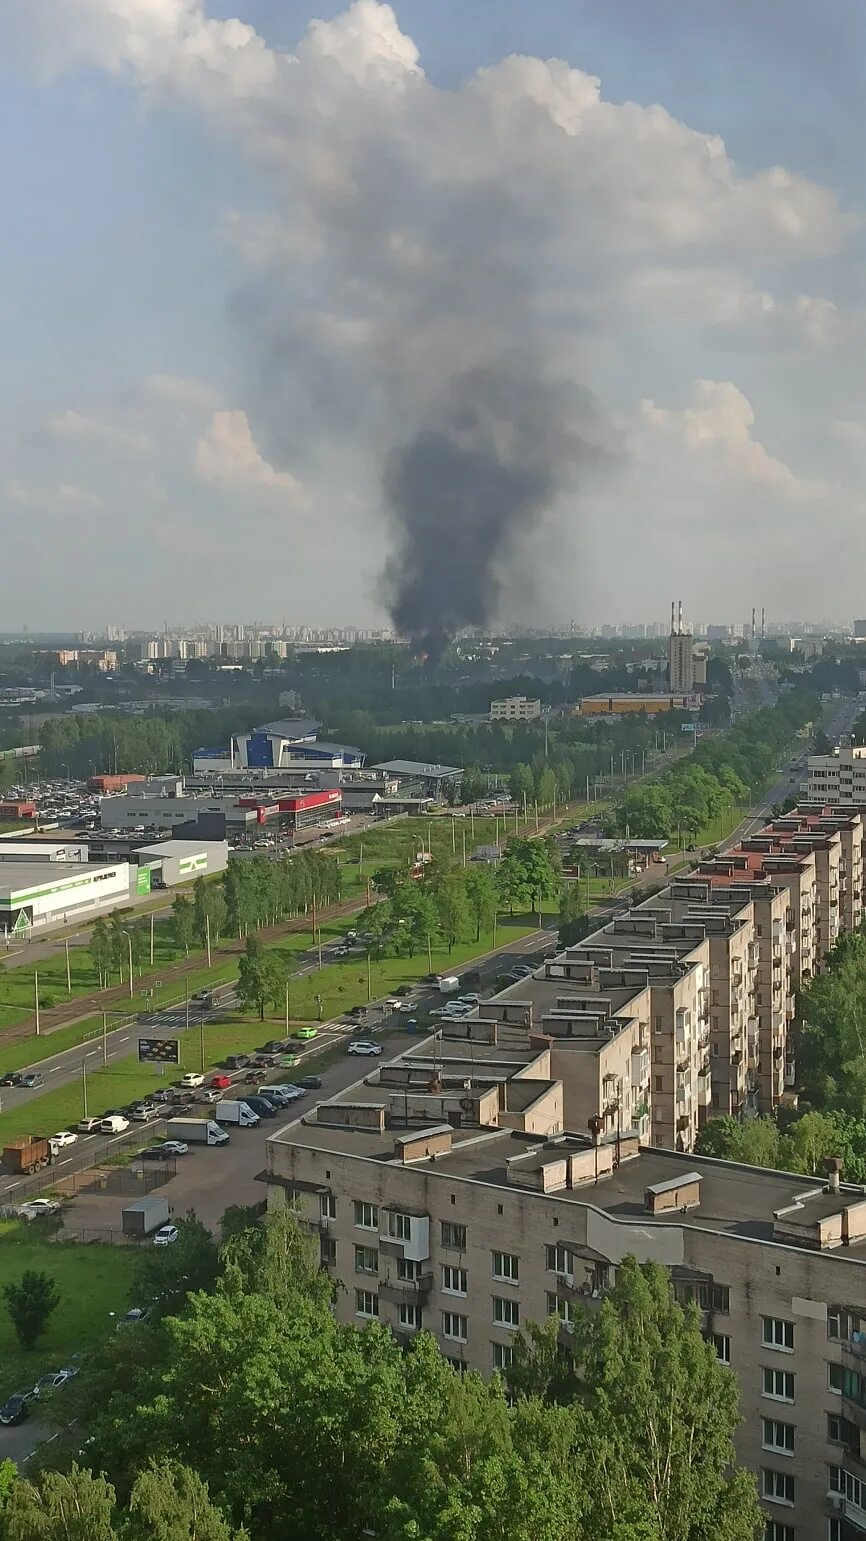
column 202, row 351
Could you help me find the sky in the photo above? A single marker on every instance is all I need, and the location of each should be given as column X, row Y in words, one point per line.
column 255, row 251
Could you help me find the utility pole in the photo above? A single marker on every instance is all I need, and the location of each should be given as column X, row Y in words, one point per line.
column 201, row 1040
column 472, row 821
column 369, row 979
column 129, row 944
column 186, row 1003
column 360, row 856
column 104, row 1039
column 68, row 974
column 429, row 954
column 84, row 1083
column 453, row 836
column 464, row 845
column 536, row 815
column 207, row 935
column 152, row 919
column 287, row 1005
column 36, row 997
column 525, row 814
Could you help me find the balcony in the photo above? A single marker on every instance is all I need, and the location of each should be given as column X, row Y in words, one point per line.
column 855, row 1346
column 407, row 1291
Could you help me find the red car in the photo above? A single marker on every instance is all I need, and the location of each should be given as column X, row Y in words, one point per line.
column 220, row 1083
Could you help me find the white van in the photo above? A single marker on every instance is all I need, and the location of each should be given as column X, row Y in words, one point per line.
column 448, row 983
column 114, row 1124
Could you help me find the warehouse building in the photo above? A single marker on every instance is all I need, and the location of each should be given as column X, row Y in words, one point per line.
column 417, row 779
column 170, row 862
column 36, row 895
column 626, row 705
column 275, row 746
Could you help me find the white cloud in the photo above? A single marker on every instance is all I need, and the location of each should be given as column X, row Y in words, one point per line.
column 227, row 456
column 83, row 428
column 51, row 499
column 175, row 390
column 717, row 429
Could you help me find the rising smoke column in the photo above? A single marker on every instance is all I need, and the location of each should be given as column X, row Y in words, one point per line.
column 467, row 491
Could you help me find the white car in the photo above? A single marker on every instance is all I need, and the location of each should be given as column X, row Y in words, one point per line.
column 63, row 1137
column 89, row 1125
column 192, row 1078
column 363, row 1046
column 469, row 1000
column 36, row 1209
column 165, row 1236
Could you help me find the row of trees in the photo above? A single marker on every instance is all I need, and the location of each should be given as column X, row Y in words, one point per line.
column 258, row 1415
column 254, row 892
column 720, row 773
column 457, row 903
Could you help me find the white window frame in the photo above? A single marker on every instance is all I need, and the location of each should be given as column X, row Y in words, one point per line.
column 399, row 1225
column 327, row 1206
column 776, row 1396
column 774, row 1328
column 367, row 1305
column 769, row 1443
column 772, row 1482
column 449, row 1270
column 503, row 1356
column 446, row 1226
column 408, row 1270
column 455, row 1327
column 409, row 1316
column 506, row 1267
column 722, row 1345
column 359, row 1267
column 362, row 1208
column 506, row 1312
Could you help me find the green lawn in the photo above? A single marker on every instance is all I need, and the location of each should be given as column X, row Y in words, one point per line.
column 93, row 1281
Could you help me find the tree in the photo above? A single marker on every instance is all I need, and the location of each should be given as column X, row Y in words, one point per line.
column 30, row 1303
column 208, row 912
column 511, row 879
column 659, row 1415
column 164, row 1276
column 101, row 951
column 574, row 923
column 472, row 786
column 183, row 923
column 8, row 1479
column 522, row 784
column 169, row 1502
column 254, row 979
column 482, row 896
column 60, row 1507
column 546, row 788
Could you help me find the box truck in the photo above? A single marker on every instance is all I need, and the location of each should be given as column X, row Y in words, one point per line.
column 229, row 1112
column 196, row 1131
column 144, row 1216
column 448, row 983
column 26, row 1155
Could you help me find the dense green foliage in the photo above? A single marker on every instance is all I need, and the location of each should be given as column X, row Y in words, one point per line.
column 720, row 773
column 256, row 1404
column 259, row 892
column 30, row 1303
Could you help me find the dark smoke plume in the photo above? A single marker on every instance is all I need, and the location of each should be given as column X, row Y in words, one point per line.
column 469, row 488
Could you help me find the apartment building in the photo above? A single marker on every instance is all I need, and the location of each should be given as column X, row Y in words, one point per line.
column 838, row 778
column 447, row 1196
column 515, row 709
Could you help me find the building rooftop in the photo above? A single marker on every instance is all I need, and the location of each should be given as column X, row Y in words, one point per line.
column 291, row 728
column 24, row 876
column 419, row 768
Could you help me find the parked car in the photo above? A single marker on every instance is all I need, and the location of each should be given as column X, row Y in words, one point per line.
column 31, row 1079
column 469, row 1000
column 523, row 970
column 209, row 1096
column 261, row 1106
column 88, row 1125
column 192, row 1078
column 363, row 1046
column 155, row 1153
column 237, row 1061
column 38, row 1209
column 175, row 1147
column 52, row 1380
column 220, row 1083
column 142, row 1112
column 165, row 1236
column 113, row 1123
column 134, row 1318
column 310, row 1083
column 16, row 1408
column 288, row 1090
column 63, row 1137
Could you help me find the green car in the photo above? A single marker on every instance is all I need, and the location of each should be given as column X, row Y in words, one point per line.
column 288, row 1060
column 306, row 1032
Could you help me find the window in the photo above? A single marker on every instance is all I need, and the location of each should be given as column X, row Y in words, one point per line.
column 399, row 1226
column 453, row 1236
column 456, row 1364
column 659, row 1083
column 848, row 1382
column 566, row 1310
column 706, row 1295
column 779, row 1384
column 774, row 1530
column 366, row 1260
column 841, row 1431
column 559, row 1260
column 840, row 1324
column 327, row 1206
column 455, row 1281
column 367, row 1216
column 778, row 1436
column 408, row 1270
column 503, row 1356
column 366, row 1303
column 722, row 1346
column 506, row 1313
column 777, row 1486
column 506, row 1266
column 454, row 1326
column 410, row 1316
column 834, row 1530
column 327, row 1252
column 777, row 1333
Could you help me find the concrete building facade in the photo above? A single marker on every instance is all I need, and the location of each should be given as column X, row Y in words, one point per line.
column 515, row 709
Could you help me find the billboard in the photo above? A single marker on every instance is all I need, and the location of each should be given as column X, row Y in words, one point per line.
column 142, row 880
column 159, row 1051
